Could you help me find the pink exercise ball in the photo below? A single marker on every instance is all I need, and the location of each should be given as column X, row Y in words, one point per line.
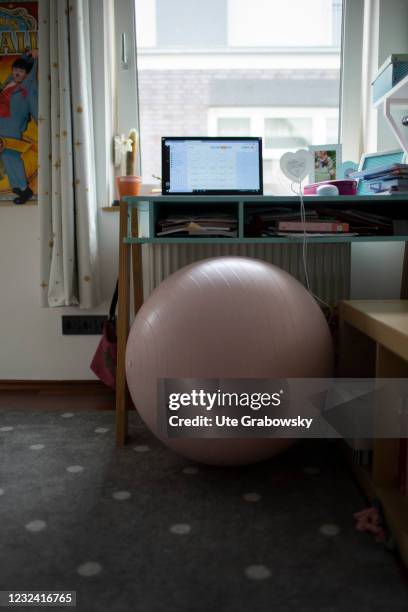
column 225, row 317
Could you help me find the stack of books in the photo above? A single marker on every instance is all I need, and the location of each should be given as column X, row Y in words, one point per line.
column 390, row 179
column 223, row 225
column 281, row 221
column 364, row 222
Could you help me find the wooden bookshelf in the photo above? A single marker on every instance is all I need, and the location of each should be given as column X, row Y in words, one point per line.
column 362, row 472
column 374, row 342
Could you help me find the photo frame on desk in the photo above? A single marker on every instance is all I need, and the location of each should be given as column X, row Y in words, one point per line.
column 371, row 161
column 327, row 161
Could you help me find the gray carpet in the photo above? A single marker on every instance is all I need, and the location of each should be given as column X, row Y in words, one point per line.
column 183, row 540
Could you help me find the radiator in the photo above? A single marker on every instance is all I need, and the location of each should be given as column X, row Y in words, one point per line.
column 328, row 264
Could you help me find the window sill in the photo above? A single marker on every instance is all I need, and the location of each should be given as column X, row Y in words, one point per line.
column 111, row 208
column 10, row 204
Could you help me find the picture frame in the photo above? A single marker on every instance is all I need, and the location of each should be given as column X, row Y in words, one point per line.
column 346, row 168
column 370, row 161
column 327, row 162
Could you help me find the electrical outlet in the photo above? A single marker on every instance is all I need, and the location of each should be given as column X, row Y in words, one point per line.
column 82, row 325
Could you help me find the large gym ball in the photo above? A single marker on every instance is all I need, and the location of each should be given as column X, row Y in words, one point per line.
column 226, row 317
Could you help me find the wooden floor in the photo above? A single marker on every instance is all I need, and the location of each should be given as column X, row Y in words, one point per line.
column 56, row 395
column 41, row 401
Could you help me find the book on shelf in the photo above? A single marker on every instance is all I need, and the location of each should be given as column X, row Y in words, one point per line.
column 175, row 219
column 363, row 456
column 326, row 227
column 361, row 450
column 214, row 225
column 275, row 232
column 188, row 230
column 279, row 212
column 389, row 184
column 387, row 170
column 393, row 192
column 364, row 222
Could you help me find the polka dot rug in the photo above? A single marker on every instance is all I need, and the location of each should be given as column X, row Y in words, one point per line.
column 141, row 528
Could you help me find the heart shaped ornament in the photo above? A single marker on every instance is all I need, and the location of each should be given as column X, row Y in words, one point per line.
column 296, row 166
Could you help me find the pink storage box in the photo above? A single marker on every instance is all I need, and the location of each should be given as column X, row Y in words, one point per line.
column 345, row 187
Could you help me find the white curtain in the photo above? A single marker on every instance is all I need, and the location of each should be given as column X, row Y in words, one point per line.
column 67, row 185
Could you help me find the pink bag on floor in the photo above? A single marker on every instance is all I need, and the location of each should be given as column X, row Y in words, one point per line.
column 104, row 361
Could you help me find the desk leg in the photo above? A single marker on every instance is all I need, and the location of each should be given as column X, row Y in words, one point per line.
column 357, row 352
column 122, row 329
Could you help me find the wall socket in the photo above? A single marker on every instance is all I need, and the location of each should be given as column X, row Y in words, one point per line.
column 82, row 325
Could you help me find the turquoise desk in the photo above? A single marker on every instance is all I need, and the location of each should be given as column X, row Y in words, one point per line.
column 138, row 217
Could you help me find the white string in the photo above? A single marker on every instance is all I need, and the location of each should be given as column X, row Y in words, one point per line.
column 304, row 245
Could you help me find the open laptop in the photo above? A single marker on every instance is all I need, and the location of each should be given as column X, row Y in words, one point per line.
column 211, row 165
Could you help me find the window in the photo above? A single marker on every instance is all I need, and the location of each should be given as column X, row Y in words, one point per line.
column 288, row 133
column 332, row 130
column 191, row 24
column 238, row 67
column 231, row 126
column 276, row 23
column 283, row 129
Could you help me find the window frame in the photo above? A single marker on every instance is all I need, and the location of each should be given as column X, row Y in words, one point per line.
column 258, row 115
column 350, row 96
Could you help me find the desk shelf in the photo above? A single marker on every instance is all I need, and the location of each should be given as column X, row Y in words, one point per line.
column 265, row 240
column 149, row 207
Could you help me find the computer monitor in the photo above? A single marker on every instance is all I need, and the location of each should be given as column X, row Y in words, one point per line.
column 211, row 165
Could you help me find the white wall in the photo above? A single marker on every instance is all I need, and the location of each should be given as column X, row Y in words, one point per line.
column 32, row 345
column 376, row 268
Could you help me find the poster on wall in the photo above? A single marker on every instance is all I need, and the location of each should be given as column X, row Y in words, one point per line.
column 18, row 102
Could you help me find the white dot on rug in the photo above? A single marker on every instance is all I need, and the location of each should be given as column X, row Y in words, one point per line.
column 190, row 470
column 251, row 497
column 329, row 530
column 90, row 568
column 35, row 526
column 67, row 415
column 180, row 529
column 74, row 469
column 36, row 446
column 6, row 428
column 311, row 471
column 1, row 491
column 141, row 448
column 121, row 495
column 257, row 572
column 101, row 430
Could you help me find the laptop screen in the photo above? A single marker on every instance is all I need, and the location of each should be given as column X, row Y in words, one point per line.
column 211, row 166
